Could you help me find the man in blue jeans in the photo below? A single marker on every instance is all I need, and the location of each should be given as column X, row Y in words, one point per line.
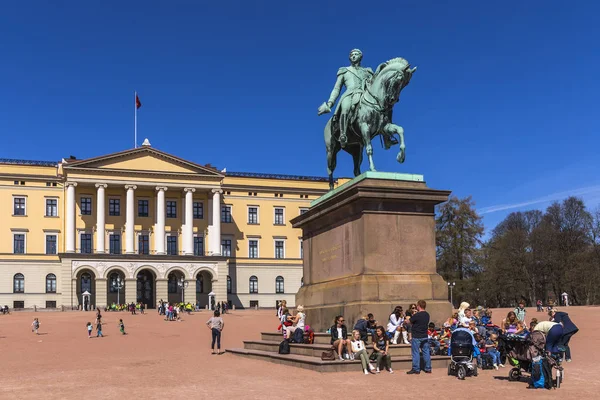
column 420, row 340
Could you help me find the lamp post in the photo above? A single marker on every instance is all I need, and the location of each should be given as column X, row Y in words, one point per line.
column 118, row 284
column 183, row 285
column 451, row 286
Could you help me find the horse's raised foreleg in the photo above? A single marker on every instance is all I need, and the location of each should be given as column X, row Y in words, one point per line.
column 366, row 138
column 392, row 129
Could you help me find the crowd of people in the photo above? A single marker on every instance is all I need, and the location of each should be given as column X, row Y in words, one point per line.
column 414, row 327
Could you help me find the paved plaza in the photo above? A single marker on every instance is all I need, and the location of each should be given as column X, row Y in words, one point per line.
column 160, row 360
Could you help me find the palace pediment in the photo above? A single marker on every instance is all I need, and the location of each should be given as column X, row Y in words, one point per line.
column 142, row 160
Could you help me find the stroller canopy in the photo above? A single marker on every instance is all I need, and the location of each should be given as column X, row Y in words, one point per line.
column 462, row 336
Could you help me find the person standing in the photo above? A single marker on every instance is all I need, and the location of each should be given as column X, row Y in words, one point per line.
column 565, row 297
column 520, row 311
column 35, row 326
column 216, row 325
column 569, row 329
column 420, row 340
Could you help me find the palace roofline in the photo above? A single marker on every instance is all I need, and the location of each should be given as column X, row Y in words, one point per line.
column 41, row 163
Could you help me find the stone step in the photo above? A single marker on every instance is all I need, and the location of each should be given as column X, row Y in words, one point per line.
column 401, row 364
column 315, row 350
column 320, row 337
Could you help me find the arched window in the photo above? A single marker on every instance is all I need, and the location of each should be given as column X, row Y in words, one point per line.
column 199, row 283
column 253, row 284
column 228, row 284
column 18, row 283
column 50, row 283
column 279, row 284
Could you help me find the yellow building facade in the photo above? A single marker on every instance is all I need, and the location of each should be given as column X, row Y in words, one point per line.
column 142, row 225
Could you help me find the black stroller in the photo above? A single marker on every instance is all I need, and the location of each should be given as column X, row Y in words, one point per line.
column 521, row 353
column 461, row 355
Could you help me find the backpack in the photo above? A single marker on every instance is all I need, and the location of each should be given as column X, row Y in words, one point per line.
column 310, row 339
column 284, row 347
column 541, row 374
column 298, row 336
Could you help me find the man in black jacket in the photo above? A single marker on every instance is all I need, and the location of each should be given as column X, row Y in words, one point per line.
column 569, row 329
column 420, row 339
column 339, row 337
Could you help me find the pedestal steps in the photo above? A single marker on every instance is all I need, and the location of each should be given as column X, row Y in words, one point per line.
column 309, row 355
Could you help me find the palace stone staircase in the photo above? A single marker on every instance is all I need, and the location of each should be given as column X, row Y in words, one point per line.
column 309, row 355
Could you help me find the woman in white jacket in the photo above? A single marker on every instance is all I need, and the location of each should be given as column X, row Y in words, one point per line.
column 394, row 326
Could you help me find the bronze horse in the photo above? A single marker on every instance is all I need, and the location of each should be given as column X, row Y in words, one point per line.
column 372, row 117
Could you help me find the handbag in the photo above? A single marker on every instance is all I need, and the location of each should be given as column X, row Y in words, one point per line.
column 373, row 356
column 328, row 355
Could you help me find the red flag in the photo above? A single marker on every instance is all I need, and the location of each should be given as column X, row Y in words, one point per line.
column 138, row 103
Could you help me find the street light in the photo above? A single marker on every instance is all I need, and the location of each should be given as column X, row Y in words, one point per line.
column 183, row 285
column 451, row 286
column 118, row 284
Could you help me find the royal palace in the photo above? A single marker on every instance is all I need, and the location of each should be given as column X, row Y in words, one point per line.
column 142, row 225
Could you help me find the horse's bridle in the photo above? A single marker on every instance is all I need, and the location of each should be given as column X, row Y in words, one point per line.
column 375, row 103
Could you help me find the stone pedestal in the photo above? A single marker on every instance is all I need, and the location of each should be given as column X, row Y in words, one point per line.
column 369, row 245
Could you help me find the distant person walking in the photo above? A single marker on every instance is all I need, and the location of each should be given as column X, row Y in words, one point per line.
column 89, row 329
column 565, row 297
column 122, row 327
column 216, row 325
column 420, row 340
column 35, row 325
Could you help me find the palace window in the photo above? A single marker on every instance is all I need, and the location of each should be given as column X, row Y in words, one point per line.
column 279, row 249
column 303, row 210
column 114, row 243
column 198, row 245
column 172, row 245
column 253, row 284
column 86, row 243
column 19, row 206
column 253, row 215
column 226, row 247
column 51, row 207
column 50, row 283
column 226, row 214
column 86, row 282
column 86, row 206
column 228, row 284
column 279, row 219
column 199, row 284
column 279, row 285
column 253, row 248
column 19, row 283
column 19, row 243
column 171, row 209
column 114, row 207
column 198, row 210
column 144, row 244
column 143, row 208
column 50, row 244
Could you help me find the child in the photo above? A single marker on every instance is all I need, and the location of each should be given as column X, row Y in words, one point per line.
column 99, row 328
column 122, row 327
column 359, row 350
column 491, row 346
column 520, row 311
column 35, row 326
column 433, row 336
column 89, row 329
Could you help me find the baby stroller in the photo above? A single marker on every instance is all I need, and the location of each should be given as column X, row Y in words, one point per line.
column 522, row 353
column 461, row 355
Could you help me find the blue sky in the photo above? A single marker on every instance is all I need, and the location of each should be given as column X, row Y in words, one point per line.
column 503, row 106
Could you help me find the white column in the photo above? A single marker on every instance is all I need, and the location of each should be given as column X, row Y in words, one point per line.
column 188, row 229
column 130, row 220
column 215, row 238
column 100, row 218
column 70, row 221
column 159, row 237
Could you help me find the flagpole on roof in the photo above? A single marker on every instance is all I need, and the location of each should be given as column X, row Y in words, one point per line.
column 135, row 107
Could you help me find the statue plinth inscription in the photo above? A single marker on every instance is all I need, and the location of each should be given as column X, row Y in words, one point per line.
column 369, row 247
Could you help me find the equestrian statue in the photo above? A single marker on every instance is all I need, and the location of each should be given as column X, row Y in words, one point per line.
column 364, row 110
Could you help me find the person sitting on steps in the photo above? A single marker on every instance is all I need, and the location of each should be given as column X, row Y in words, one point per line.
column 339, row 338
